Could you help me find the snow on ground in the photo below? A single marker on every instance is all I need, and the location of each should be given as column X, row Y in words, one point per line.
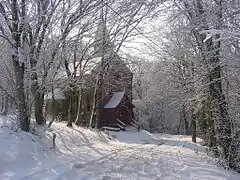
column 83, row 154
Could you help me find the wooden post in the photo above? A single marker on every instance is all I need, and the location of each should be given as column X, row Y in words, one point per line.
column 54, row 137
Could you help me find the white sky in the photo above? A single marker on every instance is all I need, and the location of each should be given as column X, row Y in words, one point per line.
column 139, row 45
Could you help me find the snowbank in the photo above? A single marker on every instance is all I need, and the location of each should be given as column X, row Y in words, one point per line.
column 26, row 155
column 144, row 137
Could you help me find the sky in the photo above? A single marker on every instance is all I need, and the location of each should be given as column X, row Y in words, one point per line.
column 141, row 44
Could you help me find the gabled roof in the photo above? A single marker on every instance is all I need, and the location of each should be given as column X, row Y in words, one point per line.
column 115, row 100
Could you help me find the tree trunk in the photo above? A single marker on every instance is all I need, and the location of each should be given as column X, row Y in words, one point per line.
column 5, row 105
column 186, row 125
column 94, row 103
column 151, row 126
column 38, row 111
column 179, row 124
column 70, row 108
column 38, row 97
column 38, row 102
column 194, row 128
column 183, row 122
column 2, row 102
column 99, row 101
column 220, row 113
column 22, row 114
column 219, row 104
column 19, row 67
column 79, row 106
column 53, row 104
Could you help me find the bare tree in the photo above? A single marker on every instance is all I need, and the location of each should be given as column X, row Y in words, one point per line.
column 13, row 17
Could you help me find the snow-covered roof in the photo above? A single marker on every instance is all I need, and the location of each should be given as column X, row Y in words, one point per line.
column 58, row 94
column 115, row 100
column 86, row 67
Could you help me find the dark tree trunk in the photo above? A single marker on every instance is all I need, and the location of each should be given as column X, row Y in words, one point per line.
column 220, row 113
column 2, row 102
column 20, row 95
column 70, row 108
column 219, row 104
column 183, row 122
column 179, row 124
column 151, row 126
column 194, row 128
column 53, row 104
column 38, row 97
column 19, row 67
column 38, row 111
column 38, row 102
column 186, row 124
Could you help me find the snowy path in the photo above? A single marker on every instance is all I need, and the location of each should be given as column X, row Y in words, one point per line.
column 84, row 154
column 66, row 168
column 152, row 162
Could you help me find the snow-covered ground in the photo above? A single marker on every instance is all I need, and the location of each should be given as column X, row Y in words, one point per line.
column 83, row 154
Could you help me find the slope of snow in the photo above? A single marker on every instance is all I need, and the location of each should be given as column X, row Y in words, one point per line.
column 90, row 155
column 26, row 156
